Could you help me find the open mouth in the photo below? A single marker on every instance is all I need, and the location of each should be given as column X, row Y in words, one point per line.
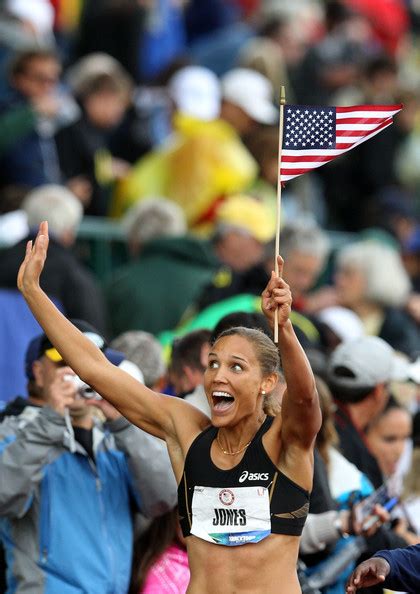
column 222, row 401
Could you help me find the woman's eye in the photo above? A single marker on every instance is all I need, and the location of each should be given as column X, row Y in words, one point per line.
column 213, row 364
column 237, row 367
column 389, row 439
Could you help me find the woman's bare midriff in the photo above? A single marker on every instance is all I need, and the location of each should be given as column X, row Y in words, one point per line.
column 268, row 567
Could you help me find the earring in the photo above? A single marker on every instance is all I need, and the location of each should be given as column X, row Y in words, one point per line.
column 263, row 392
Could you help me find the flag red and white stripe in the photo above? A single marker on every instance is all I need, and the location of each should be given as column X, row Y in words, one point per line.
column 314, row 136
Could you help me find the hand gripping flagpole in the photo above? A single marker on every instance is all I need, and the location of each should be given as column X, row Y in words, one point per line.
column 278, row 217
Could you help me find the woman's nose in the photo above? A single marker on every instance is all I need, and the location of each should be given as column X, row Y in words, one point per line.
column 220, row 374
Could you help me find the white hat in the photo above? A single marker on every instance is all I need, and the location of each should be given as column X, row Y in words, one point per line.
column 252, row 92
column 369, row 360
column 132, row 369
column 343, row 322
column 90, row 67
column 39, row 13
column 196, row 92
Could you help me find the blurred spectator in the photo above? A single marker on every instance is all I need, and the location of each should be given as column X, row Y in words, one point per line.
column 196, row 92
column 411, row 486
column 339, row 483
column 33, row 110
column 338, row 324
column 83, row 478
column 113, row 27
column 377, row 84
column 153, row 292
column 334, row 61
column 275, row 52
column 411, row 257
column 146, row 352
column 65, row 279
column 163, row 38
column 203, row 19
column 186, row 371
column 362, row 283
column 396, row 213
column 243, row 240
column 333, row 520
column 358, row 375
column 151, row 218
column 305, row 248
column 38, row 16
column 243, row 227
column 389, row 21
column 160, row 561
column 248, row 100
column 387, row 435
column 201, row 162
column 353, row 184
column 88, row 151
column 13, row 227
column 167, row 256
column 263, row 144
column 15, row 35
column 217, row 31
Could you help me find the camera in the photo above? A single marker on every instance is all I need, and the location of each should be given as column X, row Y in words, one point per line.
column 83, row 389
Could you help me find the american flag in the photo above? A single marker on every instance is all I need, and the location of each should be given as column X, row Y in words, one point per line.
column 312, row 136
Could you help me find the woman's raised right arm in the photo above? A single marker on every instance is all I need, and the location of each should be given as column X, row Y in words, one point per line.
column 155, row 413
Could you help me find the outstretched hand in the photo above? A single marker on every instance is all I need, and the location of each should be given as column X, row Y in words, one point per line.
column 369, row 573
column 33, row 264
column 277, row 295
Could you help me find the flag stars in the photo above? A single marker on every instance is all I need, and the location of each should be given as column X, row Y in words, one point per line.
column 308, row 127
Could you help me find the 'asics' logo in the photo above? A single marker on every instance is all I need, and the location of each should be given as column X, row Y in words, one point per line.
column 253, row 476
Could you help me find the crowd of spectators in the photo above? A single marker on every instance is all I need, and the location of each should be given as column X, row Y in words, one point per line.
column 162, row 117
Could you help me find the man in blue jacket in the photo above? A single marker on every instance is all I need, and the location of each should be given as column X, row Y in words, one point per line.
column 70, row 483
column 398, row 570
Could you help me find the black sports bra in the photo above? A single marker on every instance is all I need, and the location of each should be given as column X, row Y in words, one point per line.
column 289, row 503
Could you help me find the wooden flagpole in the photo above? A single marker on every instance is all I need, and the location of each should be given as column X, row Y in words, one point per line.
column 278, row 217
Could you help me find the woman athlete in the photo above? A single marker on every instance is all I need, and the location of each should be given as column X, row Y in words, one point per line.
column 244, row 477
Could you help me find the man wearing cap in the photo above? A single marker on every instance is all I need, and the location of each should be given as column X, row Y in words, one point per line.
column 70, row 483
column 358, row 375
column 248, row 100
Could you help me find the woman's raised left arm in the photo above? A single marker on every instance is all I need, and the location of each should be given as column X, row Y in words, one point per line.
column 301, row 414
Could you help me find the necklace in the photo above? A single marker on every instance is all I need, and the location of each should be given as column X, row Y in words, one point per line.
column 231, row 453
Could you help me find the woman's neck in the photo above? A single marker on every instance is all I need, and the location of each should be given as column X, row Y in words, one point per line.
column 235, row 439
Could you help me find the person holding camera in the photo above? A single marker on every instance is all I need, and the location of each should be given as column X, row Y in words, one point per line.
column 70, row 482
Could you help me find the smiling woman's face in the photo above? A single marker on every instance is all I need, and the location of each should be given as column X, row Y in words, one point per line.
column 233, row 380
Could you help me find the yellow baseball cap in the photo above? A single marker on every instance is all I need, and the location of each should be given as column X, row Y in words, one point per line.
column 249, row 214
